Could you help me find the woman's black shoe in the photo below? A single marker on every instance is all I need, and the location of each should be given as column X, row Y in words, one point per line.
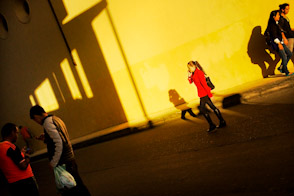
column 222, row 124
column 211, row 128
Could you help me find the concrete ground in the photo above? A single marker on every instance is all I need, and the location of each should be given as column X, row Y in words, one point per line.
column 253, row 155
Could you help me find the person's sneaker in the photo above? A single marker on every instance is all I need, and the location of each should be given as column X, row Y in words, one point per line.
column 290, row 74
column 183, row 117
column 211, row 128
column 222, row 124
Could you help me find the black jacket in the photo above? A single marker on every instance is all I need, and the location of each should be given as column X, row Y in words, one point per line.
column 275, row 31
column 285, row 25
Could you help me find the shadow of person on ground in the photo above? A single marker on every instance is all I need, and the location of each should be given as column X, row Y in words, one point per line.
column 180, row 103
column 257, row 51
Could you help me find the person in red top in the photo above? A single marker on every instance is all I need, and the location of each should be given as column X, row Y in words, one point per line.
column 26, row 136
column 15, row 165
column 196, row 75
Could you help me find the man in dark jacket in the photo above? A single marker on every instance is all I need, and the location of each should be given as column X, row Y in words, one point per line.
column 58, row 146
column 285, row 25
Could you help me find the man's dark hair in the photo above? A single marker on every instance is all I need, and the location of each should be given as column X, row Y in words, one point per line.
column 7, row 129
column 36, row 110
column 283, row 6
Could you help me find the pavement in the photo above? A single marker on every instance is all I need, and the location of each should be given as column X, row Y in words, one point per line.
column 233, row 96
column 155, row 162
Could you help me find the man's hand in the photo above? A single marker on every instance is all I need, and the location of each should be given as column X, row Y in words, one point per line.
column 189, row 74
column 50, row 166
column 24, row 149
column 40, row 137
column 284, row 39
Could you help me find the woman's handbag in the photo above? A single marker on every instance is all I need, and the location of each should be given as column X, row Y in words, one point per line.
column 209, row 83
column 63, row 179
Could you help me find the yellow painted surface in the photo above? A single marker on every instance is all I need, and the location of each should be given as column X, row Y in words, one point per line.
column 154, row 39
column 82, row 75
column 33, row 102
column 117, row 68
column 70, row 79
column 76, row 7
column 158, row 39
column 46, row 96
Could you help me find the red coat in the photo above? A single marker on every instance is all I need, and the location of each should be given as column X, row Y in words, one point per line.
column 199, row 80
column 11, row 171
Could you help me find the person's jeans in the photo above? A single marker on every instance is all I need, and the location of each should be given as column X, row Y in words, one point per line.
column 285, row 55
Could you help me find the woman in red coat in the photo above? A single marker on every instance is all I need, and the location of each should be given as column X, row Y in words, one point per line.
column 197, row 75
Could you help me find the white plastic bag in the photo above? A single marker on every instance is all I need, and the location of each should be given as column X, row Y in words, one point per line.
column 63, row 179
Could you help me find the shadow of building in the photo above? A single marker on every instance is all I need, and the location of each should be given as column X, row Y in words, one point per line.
column 36, row 51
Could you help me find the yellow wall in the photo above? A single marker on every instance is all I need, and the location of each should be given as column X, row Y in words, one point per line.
column 159, row 38
column 120, row 47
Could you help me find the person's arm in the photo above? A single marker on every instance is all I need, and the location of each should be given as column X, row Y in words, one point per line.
column 40, row 137
column 202, row 80
column 279, row 42
column 53, row 133
column 190, row 77
column 275, row 31
column 285, row 40
column 18, row 159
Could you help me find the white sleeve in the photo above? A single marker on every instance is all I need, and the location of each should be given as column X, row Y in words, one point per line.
column 277, row 41
column 54, row 135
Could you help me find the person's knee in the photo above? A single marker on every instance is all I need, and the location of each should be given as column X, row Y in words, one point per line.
column 203, row 109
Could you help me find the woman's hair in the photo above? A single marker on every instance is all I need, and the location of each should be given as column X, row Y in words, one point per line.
column 271, row 18
column 195, row 63
column 283, row 6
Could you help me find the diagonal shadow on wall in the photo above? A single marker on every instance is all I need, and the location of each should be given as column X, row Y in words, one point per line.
column 42, row 60
column 104, row 109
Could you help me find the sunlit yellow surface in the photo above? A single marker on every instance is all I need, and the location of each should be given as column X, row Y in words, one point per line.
column 117, row 68
column 76, row 7
column 46, row 97
column 32, row 100
column 158, row 39
column 70, row 79
column 57, row 83
column 82, row 75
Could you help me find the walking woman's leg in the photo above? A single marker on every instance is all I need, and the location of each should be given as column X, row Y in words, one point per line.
column 191, row 112
column 203, row 101
column 183, row 114
column 222, row 122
